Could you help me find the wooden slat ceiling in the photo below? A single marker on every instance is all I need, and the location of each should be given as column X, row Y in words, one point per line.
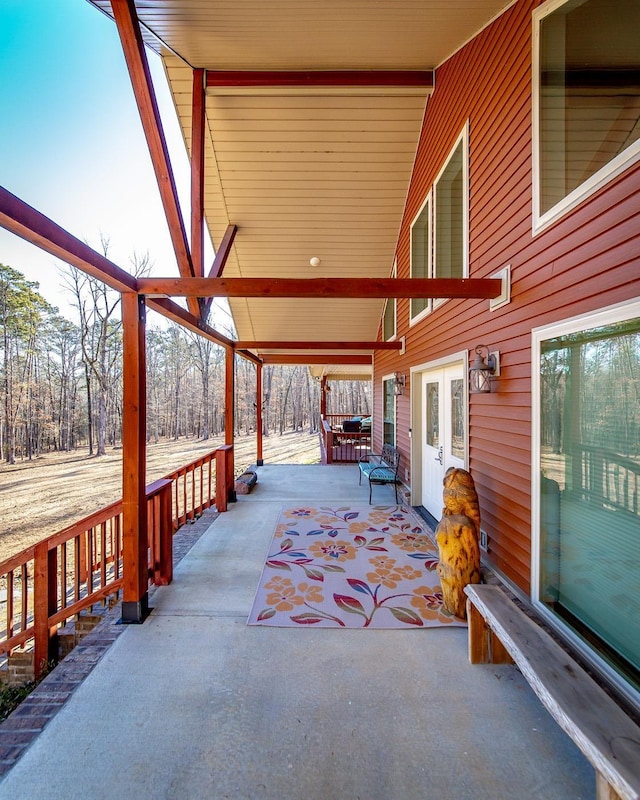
column 307, row 173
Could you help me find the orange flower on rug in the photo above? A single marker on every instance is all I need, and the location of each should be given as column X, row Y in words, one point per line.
column 350, row 567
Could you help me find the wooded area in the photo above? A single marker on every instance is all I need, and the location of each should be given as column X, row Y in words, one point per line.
column 61, row 380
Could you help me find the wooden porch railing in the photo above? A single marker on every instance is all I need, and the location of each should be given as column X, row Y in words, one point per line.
column 50, row 582
column 605, row 478
column 338, row 419
column 343, row 447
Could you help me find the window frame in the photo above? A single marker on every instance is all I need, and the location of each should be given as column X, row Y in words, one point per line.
column 616, row 313
column 463, row 139
column 426, row 207
column 595, row 182
column 392, row 337
column 389, row 379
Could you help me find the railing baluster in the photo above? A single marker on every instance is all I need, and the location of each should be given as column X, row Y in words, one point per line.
column 24, row 598
column 63, row 575
column 10, row 589
column 77, row 567
column 103, row 555
column 88, row 548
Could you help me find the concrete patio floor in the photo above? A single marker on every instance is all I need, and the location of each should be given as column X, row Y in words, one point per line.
column 195, row 704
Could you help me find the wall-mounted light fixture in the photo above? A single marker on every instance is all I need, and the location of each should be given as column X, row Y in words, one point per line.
column 483, row 369
column 398, row 383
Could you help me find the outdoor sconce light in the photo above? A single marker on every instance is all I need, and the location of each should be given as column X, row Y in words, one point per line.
column 398, row 383
column 482, row 370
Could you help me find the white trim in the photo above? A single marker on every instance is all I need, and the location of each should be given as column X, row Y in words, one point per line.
column 390, row 377
column 426, row 204
column 394, row 274
column 463, row 139
column 616, row 313
column 599, row 179
column 461, row 355
column 415, row 416
column 504, row 298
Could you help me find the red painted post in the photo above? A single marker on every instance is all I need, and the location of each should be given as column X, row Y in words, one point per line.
column 259, row 459
column 229, row 419
column 223, row 462
column 164, row 574
column 45, row 581
column 135, row 597
column 323, row 397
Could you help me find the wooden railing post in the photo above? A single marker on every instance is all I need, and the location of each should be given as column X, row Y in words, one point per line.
column 224, row 475
column 45, row 581
column 135, row 596
column 327, row 435
column 229, row 418
column 160, row 531
column 259, row 459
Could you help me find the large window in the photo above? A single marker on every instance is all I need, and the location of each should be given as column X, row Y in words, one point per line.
column 389, row 411
column 439, row 234
column 450, row 212
column 389, row 314
column 588, row 484
column 586, row 99
column 421, row 255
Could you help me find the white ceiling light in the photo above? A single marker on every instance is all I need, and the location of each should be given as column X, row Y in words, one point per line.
column 315, row 261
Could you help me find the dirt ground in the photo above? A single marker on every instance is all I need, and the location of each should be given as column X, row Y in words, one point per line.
column 45, row 495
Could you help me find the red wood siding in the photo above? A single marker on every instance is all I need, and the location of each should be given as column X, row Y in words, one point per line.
column 588, row 260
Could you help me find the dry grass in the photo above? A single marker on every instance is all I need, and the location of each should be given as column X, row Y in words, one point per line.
column 40, row 497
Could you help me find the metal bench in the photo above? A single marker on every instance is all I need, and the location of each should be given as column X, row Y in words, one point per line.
column 381, row 468
column 500, row 632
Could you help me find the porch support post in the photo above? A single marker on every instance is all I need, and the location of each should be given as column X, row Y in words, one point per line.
column 259, row 460
column 197, row 173
column 229, row 415
column 135, row 598
column 323, row 397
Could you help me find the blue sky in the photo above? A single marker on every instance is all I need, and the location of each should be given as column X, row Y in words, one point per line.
column 71, row 142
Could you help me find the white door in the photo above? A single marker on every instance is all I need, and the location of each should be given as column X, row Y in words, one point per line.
column 444, row 431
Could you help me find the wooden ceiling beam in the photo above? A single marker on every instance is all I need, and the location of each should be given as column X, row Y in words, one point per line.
column 272, row 358
column 244, row 79
column 174, row 312
column 32, row 226
column 197, row 172
column 223, row 252
column 249, row 356
column 124, row 13
column 219, row 262
column 308, row 345
column 318, row 288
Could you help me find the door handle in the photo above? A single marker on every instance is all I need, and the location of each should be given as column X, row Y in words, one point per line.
column 440, row 456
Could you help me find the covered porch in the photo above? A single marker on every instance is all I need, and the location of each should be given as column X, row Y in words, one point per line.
column 195, row 703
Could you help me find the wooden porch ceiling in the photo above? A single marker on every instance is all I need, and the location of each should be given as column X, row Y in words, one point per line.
column 302, row 120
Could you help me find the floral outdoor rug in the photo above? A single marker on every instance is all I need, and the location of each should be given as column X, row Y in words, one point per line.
column 350, row 567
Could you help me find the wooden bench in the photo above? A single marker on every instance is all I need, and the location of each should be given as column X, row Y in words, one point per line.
column 500, row 632
column 381, row 468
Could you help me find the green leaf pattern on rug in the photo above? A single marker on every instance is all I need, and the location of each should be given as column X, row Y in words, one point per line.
column 357, row 566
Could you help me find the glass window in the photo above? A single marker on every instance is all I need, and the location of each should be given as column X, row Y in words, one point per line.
column 389, row 315
column 389, row 411
column 588, row 97
column 590, row 487
column 421, row 254
column 389, row 320
column 457, row 418
column 433, row 414
column 450, row 217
